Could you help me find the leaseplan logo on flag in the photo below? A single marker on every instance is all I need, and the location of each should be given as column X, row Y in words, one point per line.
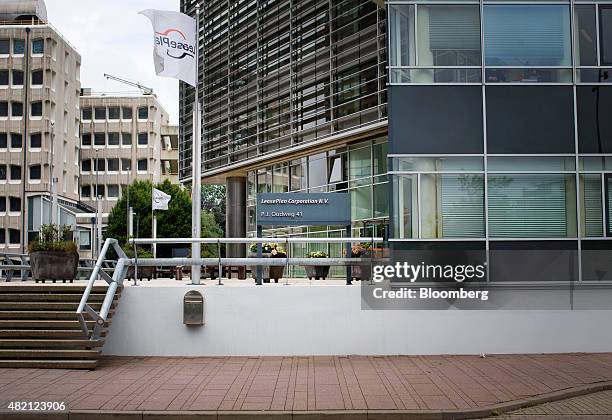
column 177, row 44
column 174, row 52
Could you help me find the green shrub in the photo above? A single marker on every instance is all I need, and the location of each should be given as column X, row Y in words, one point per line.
column 272, row 248
column 53, row 238
column 141, row 252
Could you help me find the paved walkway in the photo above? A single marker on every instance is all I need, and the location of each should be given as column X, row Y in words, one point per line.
column 297, row 384
column 597, row 405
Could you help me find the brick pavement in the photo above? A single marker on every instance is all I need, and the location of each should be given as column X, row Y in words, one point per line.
column 295, row 384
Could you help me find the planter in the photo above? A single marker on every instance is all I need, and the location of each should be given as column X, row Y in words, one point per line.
column 54, row 265
column 361, row 272
column 317, row 271
column 275, row 272
column 143, row 273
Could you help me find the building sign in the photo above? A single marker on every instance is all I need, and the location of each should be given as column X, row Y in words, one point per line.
column 289, row 209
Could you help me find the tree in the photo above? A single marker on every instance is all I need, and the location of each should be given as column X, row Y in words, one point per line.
column 172, row 223
column 213, row 201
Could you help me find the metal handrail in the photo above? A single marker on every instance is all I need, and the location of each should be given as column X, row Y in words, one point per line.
column 124, row 262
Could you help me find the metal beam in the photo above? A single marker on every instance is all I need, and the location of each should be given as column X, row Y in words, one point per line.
column 380, row 3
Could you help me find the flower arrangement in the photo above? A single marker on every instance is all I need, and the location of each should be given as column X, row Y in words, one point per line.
column 359, row 249
column 317, row 254
column 272, row 248
column 53, row 238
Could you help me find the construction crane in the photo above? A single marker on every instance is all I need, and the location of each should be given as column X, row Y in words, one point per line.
column 145, row 90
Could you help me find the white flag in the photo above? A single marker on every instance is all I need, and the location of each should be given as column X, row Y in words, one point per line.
column 160, row 200
column 174, row 54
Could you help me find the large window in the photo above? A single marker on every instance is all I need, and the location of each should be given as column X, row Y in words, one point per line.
column 143, row 113
column 37, row 77
column 17, row 78
column 585, row 35
column 5, row 46
column 36, row 140
column 532, row 205
column 143, row 139
column 14, row 204
column 38, row 46
column 4, row 77
column 527, row 35
column 16, row 109
column 605, row 24
column 444, row 36
column 3, row 140
column 126, row 139
column 16, row 140
column 35, row 172
column 18, row 46
column 37, row 109
column 113, row 139
column 113, row 113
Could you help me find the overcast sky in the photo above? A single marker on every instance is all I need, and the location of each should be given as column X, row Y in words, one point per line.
column 112, row 38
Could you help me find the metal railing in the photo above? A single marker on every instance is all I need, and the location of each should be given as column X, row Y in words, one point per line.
column 13, row 264
column 123, row 263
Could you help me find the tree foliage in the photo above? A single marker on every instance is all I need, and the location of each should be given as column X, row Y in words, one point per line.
column 213, row 201
column 172, row 223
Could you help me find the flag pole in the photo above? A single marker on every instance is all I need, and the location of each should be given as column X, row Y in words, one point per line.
column 196, row 166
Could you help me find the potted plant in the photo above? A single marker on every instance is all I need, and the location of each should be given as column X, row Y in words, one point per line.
column 53, row 256
column 361, row 271
column 268, row 250
column 144, row 272
column 317, row 271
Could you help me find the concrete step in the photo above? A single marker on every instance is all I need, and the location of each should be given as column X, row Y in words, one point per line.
column 49, row 288
column 73, row 333
column 23, row 343
column 45, row 324
column 48, row 306
column 49, row 364
column 48, row 297
column 48, row 354
column 56, row 315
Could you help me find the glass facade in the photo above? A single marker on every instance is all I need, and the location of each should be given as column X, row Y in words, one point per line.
column 279, row 74
column 499, row 136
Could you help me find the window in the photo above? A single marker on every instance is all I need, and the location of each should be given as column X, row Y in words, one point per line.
column 126, row 113
column 594, row 129
column 4, row 109
column 4, row 77
column 2, row 209
column 35, row 172
column 317, row 172
column 126, row 139
column 591, row 206
column 100, row 165
column 86, row 191
column 142, row 164
column 18, row 47
column 113, row 191
column 37, row 78
column 17, row 109
column 113, row 139
column 99, row 191
column 86, row 139
column 36, row 140
column 16, row 140
column 38, row 46
column 15, row 172
column 440, row 119
column 532, row 205
column 15, row 204
column 86, row 165
column 530, row 119
column 401, row 30
column 527, row 35
column 86, row 113
column 143, row 113
column 14, row 237
column 113, row 113
column 586, row 35
column 5, row 46
column 99, row 139
column 17, row 78
column 2, row 172
column 605, row 25
column 37, row 109
column 100, row 113
column 143, row 139
column 126, row 165
column 113, row 165
column 3, row 140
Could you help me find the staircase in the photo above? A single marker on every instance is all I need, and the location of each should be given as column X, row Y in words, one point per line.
column 39, row 327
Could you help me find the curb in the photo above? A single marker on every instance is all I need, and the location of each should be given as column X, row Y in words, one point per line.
column 472, row 413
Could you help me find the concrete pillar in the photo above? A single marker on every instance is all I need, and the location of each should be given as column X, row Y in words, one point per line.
column 236, row 214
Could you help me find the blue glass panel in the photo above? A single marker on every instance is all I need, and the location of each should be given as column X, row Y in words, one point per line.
column 527, row 35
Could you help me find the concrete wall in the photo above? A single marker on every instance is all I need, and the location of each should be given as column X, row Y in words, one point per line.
column 324, row 320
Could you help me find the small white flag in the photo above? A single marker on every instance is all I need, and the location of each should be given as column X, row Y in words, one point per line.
column 174, row 54
column 160, row 200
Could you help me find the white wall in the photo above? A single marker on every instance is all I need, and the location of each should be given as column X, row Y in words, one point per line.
column 327, row 320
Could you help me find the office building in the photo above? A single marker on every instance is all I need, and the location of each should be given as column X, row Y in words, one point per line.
column 295, row 99
column 39, row 124
column 124, row 138
column 500, row 136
